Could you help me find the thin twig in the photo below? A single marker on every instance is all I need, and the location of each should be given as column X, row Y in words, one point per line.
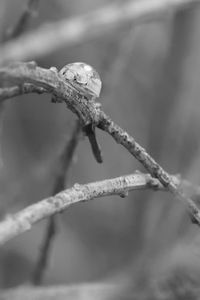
column 66, row 158
column 64, row 162
column 123, row 138
column 13, row 91
column 44, row 254
column 28, row 13
column 21, row 73
column 89, row 112
column 13, row 225
column 79, row 29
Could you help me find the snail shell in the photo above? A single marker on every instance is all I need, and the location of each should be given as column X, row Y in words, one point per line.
column 83, row 77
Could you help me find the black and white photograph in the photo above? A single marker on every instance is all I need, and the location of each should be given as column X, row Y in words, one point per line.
column 99, row 149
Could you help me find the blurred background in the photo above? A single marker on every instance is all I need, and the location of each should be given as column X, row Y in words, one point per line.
column 151, row 85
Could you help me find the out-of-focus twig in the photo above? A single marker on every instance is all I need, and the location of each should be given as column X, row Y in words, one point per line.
column 29, row 12
column 43, row 258
column 63, row 165
column 89, row 112
column 66, row 158
column 95, row 290
column 118, row 66
column 48, row 38
column 17, row 30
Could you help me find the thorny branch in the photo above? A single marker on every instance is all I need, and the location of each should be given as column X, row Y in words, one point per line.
column 78, row 29
column 88, row 112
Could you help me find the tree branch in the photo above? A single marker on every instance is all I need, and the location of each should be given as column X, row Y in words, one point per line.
column 89, row 112
column 21, row 73
column 27, row 88
column 13, row 225
column 78, row 29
